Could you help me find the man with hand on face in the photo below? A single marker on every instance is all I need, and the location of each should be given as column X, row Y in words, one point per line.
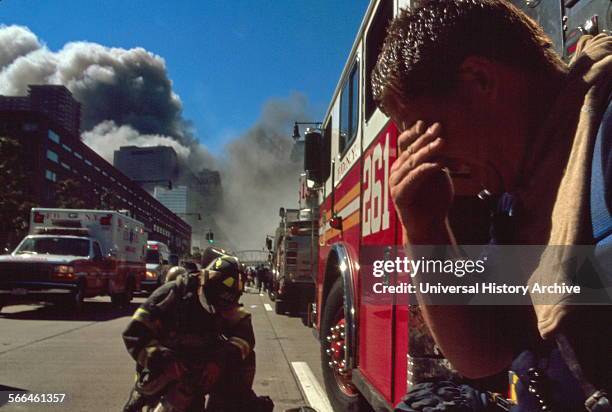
column 476, row 82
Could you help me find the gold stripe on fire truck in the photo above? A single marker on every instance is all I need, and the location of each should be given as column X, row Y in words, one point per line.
column 345, row 200
column 349, row 222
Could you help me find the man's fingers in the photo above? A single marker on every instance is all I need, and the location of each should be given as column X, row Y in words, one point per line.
column 406, row 188
column 421, row 142
column 410, row 135
column 407, row 162
column 407, row 139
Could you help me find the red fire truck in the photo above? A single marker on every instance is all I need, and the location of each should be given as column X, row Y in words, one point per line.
column 365, row 348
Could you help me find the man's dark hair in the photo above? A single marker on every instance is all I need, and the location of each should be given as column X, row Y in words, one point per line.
column 426, row 44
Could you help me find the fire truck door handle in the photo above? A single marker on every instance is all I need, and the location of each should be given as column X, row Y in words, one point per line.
column 387, row 276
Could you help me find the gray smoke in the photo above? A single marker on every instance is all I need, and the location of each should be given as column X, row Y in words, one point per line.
column 127, row 99
column 16, row 41
column 128, row 87
column 259, row 175
column 105, row 137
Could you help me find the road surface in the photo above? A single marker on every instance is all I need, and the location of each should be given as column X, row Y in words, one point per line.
column 44, row 350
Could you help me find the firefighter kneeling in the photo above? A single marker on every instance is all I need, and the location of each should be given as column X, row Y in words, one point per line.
column 191, row 338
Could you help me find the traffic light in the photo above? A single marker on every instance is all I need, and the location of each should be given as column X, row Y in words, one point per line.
column 210, row 237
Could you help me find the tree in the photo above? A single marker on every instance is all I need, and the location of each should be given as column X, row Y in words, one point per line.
column 69, row 194
column 107, row 199
column 16, row 198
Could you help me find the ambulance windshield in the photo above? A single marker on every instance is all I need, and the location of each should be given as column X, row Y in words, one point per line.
column 54, row 246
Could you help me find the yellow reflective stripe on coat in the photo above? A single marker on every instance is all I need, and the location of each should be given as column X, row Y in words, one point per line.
column 241, row 344
column 513, row 381
column 143, row 316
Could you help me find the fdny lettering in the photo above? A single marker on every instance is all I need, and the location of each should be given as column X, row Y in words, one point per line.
column 347, row 161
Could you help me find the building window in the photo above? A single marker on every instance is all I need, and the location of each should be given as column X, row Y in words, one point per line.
column 29, row 127
column 78, row 156
column 65, row 166
column 87, row 162
column 53, row 136
column 51, row 155
column 66, row 148
column 50, row 175
column 97, row 168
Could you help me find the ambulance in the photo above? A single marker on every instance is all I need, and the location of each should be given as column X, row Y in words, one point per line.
column 73, row 254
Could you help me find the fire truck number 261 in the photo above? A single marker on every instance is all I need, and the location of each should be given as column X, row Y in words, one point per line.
column 375, row 209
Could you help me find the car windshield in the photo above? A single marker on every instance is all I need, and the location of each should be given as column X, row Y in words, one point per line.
column 54, row 246
column 152, row 256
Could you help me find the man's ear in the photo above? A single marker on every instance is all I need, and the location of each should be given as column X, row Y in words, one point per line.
column 479, row 77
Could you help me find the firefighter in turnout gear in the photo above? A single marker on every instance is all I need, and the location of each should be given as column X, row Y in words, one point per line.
column 192, row 338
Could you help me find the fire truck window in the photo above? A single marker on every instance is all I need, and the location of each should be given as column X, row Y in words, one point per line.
column 344, row 117
column 375, row 38
column 354, row 103
column 326, row 157
column 349, row 104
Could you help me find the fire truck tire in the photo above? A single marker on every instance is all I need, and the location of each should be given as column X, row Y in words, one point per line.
column 338, row 397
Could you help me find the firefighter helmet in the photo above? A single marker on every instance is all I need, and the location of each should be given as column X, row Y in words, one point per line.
column 210, row 254
column 222, row 282
column 175, row 272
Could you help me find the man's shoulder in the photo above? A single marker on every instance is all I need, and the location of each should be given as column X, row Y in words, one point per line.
column 161, row 298
column 235, row 314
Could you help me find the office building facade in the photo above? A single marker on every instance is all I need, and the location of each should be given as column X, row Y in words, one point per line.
column 53, row 152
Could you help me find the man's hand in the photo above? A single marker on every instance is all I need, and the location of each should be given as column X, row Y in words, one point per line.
column 420, row 185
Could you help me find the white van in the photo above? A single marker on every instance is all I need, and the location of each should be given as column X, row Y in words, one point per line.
column 157, row 259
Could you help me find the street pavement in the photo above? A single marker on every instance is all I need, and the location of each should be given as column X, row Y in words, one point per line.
column 46, row 350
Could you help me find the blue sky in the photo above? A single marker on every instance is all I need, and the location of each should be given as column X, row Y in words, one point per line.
column 226, row 58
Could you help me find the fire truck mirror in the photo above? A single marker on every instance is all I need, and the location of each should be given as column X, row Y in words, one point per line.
column 269, row 244
column 112, row 253
column 312, row 155
column 281, row 212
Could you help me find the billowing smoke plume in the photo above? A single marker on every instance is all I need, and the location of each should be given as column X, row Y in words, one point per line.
column 107, row 136
column 16, row 41
column 128, row 87
column 259, row 174
column 127, row 99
